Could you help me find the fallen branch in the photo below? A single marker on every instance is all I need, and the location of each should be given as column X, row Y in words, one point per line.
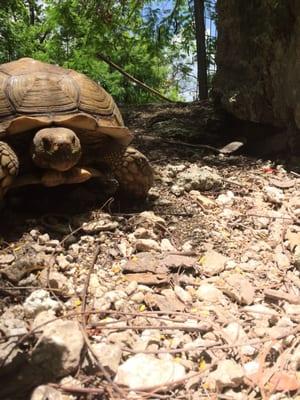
column 133, row 79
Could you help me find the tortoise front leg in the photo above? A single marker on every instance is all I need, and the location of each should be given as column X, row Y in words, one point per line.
column 9, row 167
column 132, row 170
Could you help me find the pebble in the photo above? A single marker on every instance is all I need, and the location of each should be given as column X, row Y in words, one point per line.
column 228, row 374
column 109, row 356
column 273, row 195
column 166, row 245
column 147, row 245
column 209, row 293
column 183, row 295
column 38, row 301
column 6, row 258
column 143, row 370
column 212, row 263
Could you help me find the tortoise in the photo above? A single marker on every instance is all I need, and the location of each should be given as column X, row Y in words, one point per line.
column 57, row 127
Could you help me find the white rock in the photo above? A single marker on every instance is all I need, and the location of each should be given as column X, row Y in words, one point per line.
column 234, row 334
column 251, row 368
column 199, row 178
column 138, row 297
column 166, row 245
column 146, row 245
column 183, row 295
column 228, row 374
column 209, row 293
column 101, row 225
column 143, row 370
column 131, row 288
column 225, row 199
column 260, row 311
column 282, row 260
column 44, row 392
column 38, row 301
column 59, row 348
column 6, row 258
column 62, row 262
column 43, row 239
column 177, row 190
column 212, row 263
column 115, row 295
column 273, row 194
column 148, row 220
column 187, row 246
column 109, row 355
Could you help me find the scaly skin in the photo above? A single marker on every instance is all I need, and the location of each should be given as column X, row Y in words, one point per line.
column 132, row 170
column 9, row 167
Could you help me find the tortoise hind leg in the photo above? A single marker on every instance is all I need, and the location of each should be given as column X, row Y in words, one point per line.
column 9, row 167
column 133, row 172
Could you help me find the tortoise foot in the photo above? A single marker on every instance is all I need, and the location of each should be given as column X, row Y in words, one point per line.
column 134, row 173
column 9, row 167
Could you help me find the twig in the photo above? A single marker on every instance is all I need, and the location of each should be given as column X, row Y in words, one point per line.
column 180, row 143
column 105, row 373
column 73, row 389
column 86, row 286
column 132, row 78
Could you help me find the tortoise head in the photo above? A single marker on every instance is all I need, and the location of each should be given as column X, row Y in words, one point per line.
column 56, row 148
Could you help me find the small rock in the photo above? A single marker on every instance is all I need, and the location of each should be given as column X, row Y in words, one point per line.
column 228, row 374
column 38, row 301
column 260, row 311
column 225, row 199
column 43, row 239
column 146, row 371
column 62, row 261
column 131, row 288
column 199, row 178
column 101, row 225
column 209, row 293
column 138, row 297
column 148, row 337
column 239, row 288
column 177, row 190
column 187, row 247
column 234, row 334
column 251, row 368
column 183, row 295
column 148, row 220
column 206, row 202
column 273, row 195
column 55, row 279
column 44, row 392
column 109, row 356
column 282, row 260
column 146, row 245
column 58, row 350
column 6, row 258
column 212, row 263
column 166, row 245
column 115, row 295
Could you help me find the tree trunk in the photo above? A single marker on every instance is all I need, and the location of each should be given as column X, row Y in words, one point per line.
column 201, row 50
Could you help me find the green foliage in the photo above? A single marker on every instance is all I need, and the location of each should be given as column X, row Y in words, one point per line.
column 149, row 41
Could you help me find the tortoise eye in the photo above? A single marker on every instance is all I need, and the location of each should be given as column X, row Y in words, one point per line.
column 74, row 140
column 46, row 144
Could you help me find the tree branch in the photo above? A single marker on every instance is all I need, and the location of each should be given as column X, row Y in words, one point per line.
column 133, row 79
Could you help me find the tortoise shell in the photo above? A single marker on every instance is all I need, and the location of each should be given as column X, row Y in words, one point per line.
column 34, row 94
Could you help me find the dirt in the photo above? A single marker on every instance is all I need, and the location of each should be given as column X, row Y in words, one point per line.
column 241, row 241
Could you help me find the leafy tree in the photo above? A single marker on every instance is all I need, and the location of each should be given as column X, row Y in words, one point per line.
column 150, row 39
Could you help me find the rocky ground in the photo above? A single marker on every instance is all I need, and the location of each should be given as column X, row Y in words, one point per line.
column 194, row 294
